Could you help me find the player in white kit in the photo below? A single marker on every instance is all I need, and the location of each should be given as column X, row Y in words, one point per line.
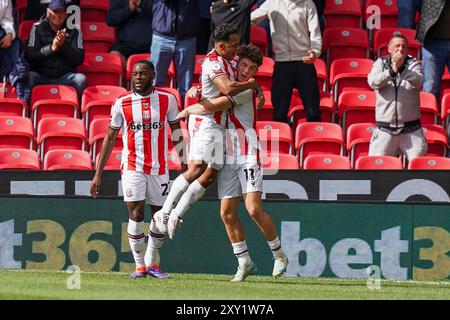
column 242, row 173
column 144, row 115
column 207, row 131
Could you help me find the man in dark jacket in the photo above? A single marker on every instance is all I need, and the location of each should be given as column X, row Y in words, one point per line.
column 175, row 27
column 434, row 35
column 235, row 12
column 55, row 50
column 134, row 21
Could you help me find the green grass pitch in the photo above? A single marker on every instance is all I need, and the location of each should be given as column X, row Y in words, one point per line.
column 26, row 284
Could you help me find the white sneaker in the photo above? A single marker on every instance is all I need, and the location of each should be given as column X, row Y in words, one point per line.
column 243, row 272
column 279, row 265
column 161, row 219
column 172, row 224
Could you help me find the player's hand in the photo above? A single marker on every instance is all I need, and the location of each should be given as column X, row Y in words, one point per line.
column 310, row 58
column 6, row 41
column 260, row 97
column 182, row 114
column 193, row 92
column 95, row 186
column 253, row 83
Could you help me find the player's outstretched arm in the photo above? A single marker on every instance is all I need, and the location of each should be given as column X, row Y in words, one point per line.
column 105, row 153
column 207, row 106
column 231, row 88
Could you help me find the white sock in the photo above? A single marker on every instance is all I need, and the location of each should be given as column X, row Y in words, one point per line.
column 155, row 242
column 192, row 195
column 275, row 246
column 136, row 239
column 179, row 186
column 240, row 250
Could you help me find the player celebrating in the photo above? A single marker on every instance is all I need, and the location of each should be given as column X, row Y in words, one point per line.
column 144, row 116
column 207, row 131
column 242, row 174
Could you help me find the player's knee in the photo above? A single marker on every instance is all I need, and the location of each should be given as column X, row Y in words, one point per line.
column 193, row 173
column 227, row 216
column 255, row 212
column 136, row 214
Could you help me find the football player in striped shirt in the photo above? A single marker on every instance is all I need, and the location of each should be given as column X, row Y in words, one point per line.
column 144, row 115
column 242, row 174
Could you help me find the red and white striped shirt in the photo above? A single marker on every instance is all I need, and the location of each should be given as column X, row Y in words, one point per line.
column 144, row 121
column 213, row 66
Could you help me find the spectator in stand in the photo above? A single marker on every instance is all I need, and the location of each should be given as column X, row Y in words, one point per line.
column 175, row 26
column 235, row 12
column 397, row 80
column 133, row 18
column 297, row 42
column 36, row 9
column 55, row 50
column 13, row 66
column 407, row 10
column 434, row 35
column 204, row 31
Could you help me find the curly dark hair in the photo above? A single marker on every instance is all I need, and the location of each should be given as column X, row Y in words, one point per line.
column 223, row 32
column 251, row 52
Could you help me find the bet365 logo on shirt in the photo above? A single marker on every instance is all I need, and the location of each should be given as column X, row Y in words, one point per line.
column 146, row 125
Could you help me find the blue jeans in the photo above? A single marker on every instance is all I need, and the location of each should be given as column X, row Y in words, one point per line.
column 407, row 10
column 435, row 55
column 183, row 52
column 76, row 80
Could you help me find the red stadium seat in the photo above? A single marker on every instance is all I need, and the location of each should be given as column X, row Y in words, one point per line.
column 258, row 37
column 146, row 56
column 21, row 9
column 356, row 107
column 60, row 133
column 445, row 108
column 114, row 161
column 382, row 37
column 358, row 140
column 326, row 162
column 19, row 159
column 341, row 43
column 267, row 111
column 343, row 13
column 50, row 100
column 102, row 69
column 318, row 138
column 271, row 131
column 428, row 108
column 24, row 29
column 378, row 163
column 349, row 74
column 322, row 75
column 386, row 11
column 429, row 163
column 264, row 75
column 16, row 132
column 6, row 91
column 94, row 10
column 13, row 107
column 437, row 140
column 297, row 111
column 274, row 162
column 96, row 102
column 97, row 132
column 97, row 36
column 67, row 160
column 199, row 58
column 445, row 84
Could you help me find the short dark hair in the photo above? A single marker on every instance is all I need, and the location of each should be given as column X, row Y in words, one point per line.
column 223, row 32
column 251, row 52
column 398, row 34
column 148, row 63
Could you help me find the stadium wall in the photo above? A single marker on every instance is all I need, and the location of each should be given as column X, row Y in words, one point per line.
column 331, row 239
column 395, row 185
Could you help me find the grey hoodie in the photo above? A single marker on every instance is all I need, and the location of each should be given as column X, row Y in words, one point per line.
column 399, row 103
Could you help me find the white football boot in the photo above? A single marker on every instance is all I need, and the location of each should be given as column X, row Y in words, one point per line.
column 279, row 265
column 245, row 271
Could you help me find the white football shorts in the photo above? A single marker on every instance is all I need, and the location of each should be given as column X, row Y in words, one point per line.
column 207, row 142
column 138, row 186
column 238, row 179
